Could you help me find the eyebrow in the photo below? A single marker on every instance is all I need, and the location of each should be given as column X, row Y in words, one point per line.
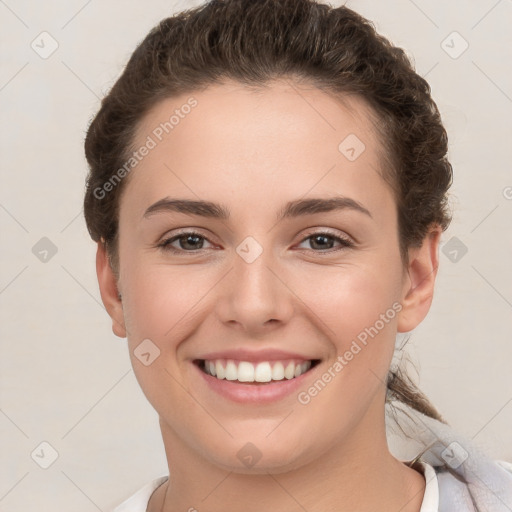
column 297, row 208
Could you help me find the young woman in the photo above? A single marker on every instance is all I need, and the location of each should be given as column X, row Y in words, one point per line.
column 268, row 187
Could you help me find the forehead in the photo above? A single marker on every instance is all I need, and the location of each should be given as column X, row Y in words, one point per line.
column 275, row 112
column 264, row 143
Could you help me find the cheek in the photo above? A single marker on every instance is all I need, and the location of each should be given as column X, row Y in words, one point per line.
column 348, row 298
column 165, row 305
column 160, row 314
column 160, row 297
column 356, row 307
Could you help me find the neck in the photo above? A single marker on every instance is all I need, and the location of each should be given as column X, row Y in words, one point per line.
column 357, row 474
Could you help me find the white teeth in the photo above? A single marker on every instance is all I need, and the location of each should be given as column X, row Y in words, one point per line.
column 231, row 371
column 278, row 371
column 289, row 371
column 245, row 372
column 219, row 370
column 264, row 371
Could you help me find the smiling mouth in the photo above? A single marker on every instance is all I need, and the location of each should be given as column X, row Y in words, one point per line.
column 263, row 372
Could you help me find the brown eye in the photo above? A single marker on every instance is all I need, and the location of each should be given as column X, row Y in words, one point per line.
column 189, row 241
column 322, row 242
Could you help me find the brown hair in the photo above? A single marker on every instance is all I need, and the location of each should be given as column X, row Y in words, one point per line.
column 254, row 42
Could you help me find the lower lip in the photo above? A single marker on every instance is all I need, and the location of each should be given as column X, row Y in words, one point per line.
column 254, row 393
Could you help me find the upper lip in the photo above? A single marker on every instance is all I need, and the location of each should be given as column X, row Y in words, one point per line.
column 255, row 355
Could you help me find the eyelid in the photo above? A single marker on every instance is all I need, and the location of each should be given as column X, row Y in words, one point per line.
column 330, row 232
column 309, row 232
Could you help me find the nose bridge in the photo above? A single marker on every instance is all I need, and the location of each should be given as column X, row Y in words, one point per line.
column 254, row 294
column 253, row 278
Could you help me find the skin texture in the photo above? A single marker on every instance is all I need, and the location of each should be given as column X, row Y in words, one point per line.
column 253, row 151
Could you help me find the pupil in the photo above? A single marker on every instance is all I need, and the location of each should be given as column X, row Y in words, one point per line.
column 191, row 237
column 321, row 237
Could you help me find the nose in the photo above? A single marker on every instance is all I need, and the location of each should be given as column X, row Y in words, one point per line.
column 254, row 296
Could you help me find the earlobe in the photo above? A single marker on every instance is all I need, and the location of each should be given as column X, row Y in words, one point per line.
column 418, row 288
column 110, row 295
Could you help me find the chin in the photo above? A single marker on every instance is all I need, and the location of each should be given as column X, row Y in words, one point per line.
column 261, row 456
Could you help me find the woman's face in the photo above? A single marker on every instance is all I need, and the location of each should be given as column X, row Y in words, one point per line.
column 275, row 277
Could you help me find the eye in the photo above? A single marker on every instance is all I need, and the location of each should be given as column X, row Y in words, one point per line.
column 188, row 241
column 191, row 241
column 324, row 241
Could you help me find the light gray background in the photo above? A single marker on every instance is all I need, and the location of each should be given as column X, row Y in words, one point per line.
column 67, row 380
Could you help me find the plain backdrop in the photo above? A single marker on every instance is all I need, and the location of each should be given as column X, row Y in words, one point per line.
column 66, row 380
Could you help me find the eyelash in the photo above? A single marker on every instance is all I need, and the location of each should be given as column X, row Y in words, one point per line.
column 165, row 244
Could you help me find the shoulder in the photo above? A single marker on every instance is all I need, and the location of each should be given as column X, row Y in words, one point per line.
column 475, row 490
column 138, row 502
column 507, row 466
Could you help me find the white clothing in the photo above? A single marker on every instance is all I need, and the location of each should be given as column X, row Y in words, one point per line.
column 443, row 491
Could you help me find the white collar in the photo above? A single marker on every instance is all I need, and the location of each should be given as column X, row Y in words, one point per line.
column 430, row 501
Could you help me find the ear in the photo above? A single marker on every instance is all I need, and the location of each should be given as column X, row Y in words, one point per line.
column 419, row 279
column 109, row 291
